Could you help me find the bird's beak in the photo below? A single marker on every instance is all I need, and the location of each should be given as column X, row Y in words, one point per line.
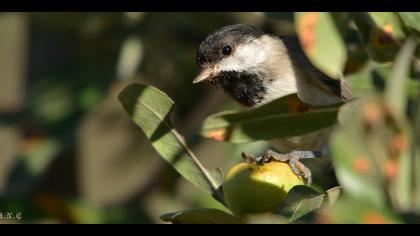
column 205, row 74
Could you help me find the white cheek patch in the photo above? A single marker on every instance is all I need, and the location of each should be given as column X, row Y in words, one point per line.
column 246, row 57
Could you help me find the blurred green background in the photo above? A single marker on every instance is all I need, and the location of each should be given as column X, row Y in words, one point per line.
column 68, row 151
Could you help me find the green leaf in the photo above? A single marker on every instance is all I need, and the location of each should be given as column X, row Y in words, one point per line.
column 416, row 157
column 277, row 119
column 396, row 97
column 382, row 33
column 348, row 210
column 300, row 201
column 388, row 22
column 411, row 19
column 265, row 218
column 322, row 42
column 200, row 216
column 370, row 154
column 150, row 109
column 360, row 82
column 352, row 153
column 333, row 194
column 395, row 93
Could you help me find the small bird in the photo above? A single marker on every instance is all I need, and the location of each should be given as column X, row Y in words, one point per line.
column 255, row 68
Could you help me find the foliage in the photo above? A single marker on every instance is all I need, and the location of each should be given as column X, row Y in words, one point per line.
column 375, row 150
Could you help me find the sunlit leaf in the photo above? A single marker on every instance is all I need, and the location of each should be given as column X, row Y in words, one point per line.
column 389, row 23
column 411, row 19
column 395, row 93
column 396, row 99
column 284, row 117
column 333, row 194
column 150, row 109
column 322, row 41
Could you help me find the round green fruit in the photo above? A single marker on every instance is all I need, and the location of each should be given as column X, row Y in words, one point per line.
column 252, row 188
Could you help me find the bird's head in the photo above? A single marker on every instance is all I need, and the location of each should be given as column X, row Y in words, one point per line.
column 245, row 62
column 233, row 48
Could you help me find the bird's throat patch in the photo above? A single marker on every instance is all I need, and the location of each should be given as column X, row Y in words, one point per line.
column 247, row 88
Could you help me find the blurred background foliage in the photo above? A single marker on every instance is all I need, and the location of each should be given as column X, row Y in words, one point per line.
column 68, row 151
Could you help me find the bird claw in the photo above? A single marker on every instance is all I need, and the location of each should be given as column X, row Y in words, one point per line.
column 248, row 158
column 292, row 159
column 300, row 170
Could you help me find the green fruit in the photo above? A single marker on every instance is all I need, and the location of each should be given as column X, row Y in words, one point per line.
column 252, row 188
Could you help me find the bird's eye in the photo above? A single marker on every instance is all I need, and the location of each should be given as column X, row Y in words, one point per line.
column 226, row 50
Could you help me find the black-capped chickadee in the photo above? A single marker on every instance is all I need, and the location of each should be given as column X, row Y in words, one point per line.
column 255, row 68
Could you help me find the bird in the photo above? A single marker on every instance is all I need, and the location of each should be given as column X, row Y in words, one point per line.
column 255, row 68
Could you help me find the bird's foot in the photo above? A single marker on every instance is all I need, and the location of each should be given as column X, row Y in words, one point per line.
column 251, row 159
column 293, row 159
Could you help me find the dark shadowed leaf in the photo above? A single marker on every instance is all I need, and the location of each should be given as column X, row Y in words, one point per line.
column 300, row 201
column 200, row 216
column 284, row 117
column 150, row 109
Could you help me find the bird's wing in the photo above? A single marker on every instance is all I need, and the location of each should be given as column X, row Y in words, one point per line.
column 337, row 87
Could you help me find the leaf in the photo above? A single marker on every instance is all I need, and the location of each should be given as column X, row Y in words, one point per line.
column 322, row 42
column 333, row 194
column 200, row 216
column 300, row 201
column 265, row 218
column 351, row 153
column 416, row 157
column 356, row 211
column 411, row 19
column 395, row 93
column 150, row 109
column 370, row 154
column 277, row 119
column 396, row 98
column 382, row 33
column 390, row 23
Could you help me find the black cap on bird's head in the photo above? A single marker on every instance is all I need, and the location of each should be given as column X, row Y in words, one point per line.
column 222, row 44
